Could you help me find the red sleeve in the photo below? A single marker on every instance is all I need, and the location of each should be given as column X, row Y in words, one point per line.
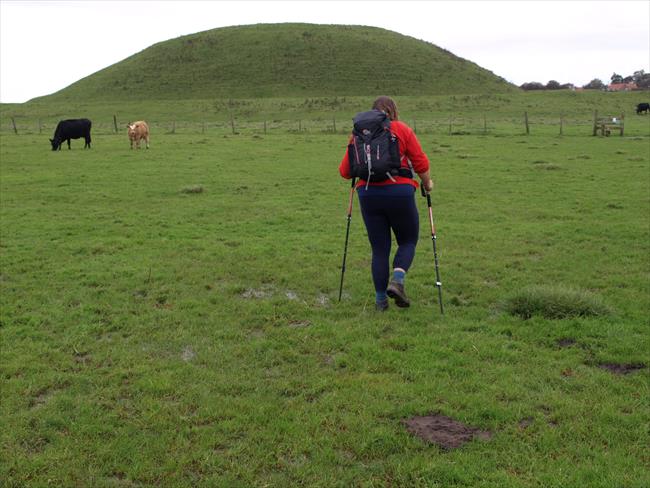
column 344, row 167
column 411, row 148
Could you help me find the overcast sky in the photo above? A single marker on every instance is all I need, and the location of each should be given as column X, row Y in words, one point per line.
column 47, row 45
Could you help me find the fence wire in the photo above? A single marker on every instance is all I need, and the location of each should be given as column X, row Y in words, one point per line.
column 453, row 126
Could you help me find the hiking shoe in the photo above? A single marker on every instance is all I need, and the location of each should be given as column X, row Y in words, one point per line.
column 396, row 292
column 381, row 306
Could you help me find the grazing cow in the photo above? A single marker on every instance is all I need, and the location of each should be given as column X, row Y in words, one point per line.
column 71, row 129
column 137, row 131
column 643, row 107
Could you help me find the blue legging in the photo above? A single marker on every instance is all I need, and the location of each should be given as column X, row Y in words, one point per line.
column 386, row 208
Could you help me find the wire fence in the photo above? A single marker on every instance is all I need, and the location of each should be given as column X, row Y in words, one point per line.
column 481, row 124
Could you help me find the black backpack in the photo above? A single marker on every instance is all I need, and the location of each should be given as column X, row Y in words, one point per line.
column 374, row 150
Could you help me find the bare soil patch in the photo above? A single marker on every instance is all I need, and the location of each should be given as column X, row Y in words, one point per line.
column 566, row 342
column 444, row 431
column 526, row 422
column 299, row 324
column 41, row 398
column 621, row 369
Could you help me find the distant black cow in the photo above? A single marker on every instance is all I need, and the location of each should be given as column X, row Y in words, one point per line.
column 71, row 129
column 643, row 107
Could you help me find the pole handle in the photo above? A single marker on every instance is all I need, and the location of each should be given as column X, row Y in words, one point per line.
column 351, row 197
column 425, row 194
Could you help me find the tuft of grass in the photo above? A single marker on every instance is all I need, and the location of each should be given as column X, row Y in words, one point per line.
column 555, row 302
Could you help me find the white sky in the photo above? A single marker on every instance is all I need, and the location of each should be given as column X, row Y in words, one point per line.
column 47, row 45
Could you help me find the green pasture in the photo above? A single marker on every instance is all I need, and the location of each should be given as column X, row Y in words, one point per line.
column 169, row 316
column 502, row 114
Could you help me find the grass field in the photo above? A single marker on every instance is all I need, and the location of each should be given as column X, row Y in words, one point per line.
column 477, row 114
column 170, row 316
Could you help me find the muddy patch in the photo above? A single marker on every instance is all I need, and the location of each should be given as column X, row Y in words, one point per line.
column 299, row 324
column 82, row 358
column 444, row 431
column 41, row 398
column 525, row 423
column 566, row 342
column 622, row 369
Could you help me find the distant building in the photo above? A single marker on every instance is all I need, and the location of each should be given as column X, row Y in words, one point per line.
column 615, row 87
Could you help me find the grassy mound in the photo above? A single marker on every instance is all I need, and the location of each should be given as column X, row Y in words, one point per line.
column 554, row 302
column 276, row 60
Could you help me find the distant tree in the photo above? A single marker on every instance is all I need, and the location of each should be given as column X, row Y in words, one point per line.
column 642, row 79
column 553, row 85
column 532, row 85
column 594, row 84
column 628, row 79
column 616, row 78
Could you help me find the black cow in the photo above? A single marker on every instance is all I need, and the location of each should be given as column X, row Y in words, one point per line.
column 71, row 129
column 643, row 107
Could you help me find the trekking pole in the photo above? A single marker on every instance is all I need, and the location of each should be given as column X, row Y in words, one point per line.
column 435, row 252
column 347, row 234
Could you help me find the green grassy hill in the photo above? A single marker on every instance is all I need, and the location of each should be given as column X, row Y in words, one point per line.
column 276, row 60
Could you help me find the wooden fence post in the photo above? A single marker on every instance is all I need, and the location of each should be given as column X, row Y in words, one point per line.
column 265, row 127
column 622, row 123
column 115, row 122
column 450, row 122
column 334, row 123
column 40, row 127
column 561, row 124
column 595, row 123
column 526, row 123
column 13, row 122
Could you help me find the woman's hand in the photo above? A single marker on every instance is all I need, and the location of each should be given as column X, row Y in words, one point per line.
column 428, row 185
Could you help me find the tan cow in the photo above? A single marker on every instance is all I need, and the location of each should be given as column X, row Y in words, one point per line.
column 137, row 131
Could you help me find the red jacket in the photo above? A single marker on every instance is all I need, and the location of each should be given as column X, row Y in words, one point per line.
column 409, row 149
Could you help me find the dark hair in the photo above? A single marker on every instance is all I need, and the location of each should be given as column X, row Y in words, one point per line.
column 387, row 105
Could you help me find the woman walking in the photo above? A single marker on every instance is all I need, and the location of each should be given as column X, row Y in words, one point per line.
column 388, row 201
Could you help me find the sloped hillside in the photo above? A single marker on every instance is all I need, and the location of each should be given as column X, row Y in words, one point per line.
column 275, row 60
